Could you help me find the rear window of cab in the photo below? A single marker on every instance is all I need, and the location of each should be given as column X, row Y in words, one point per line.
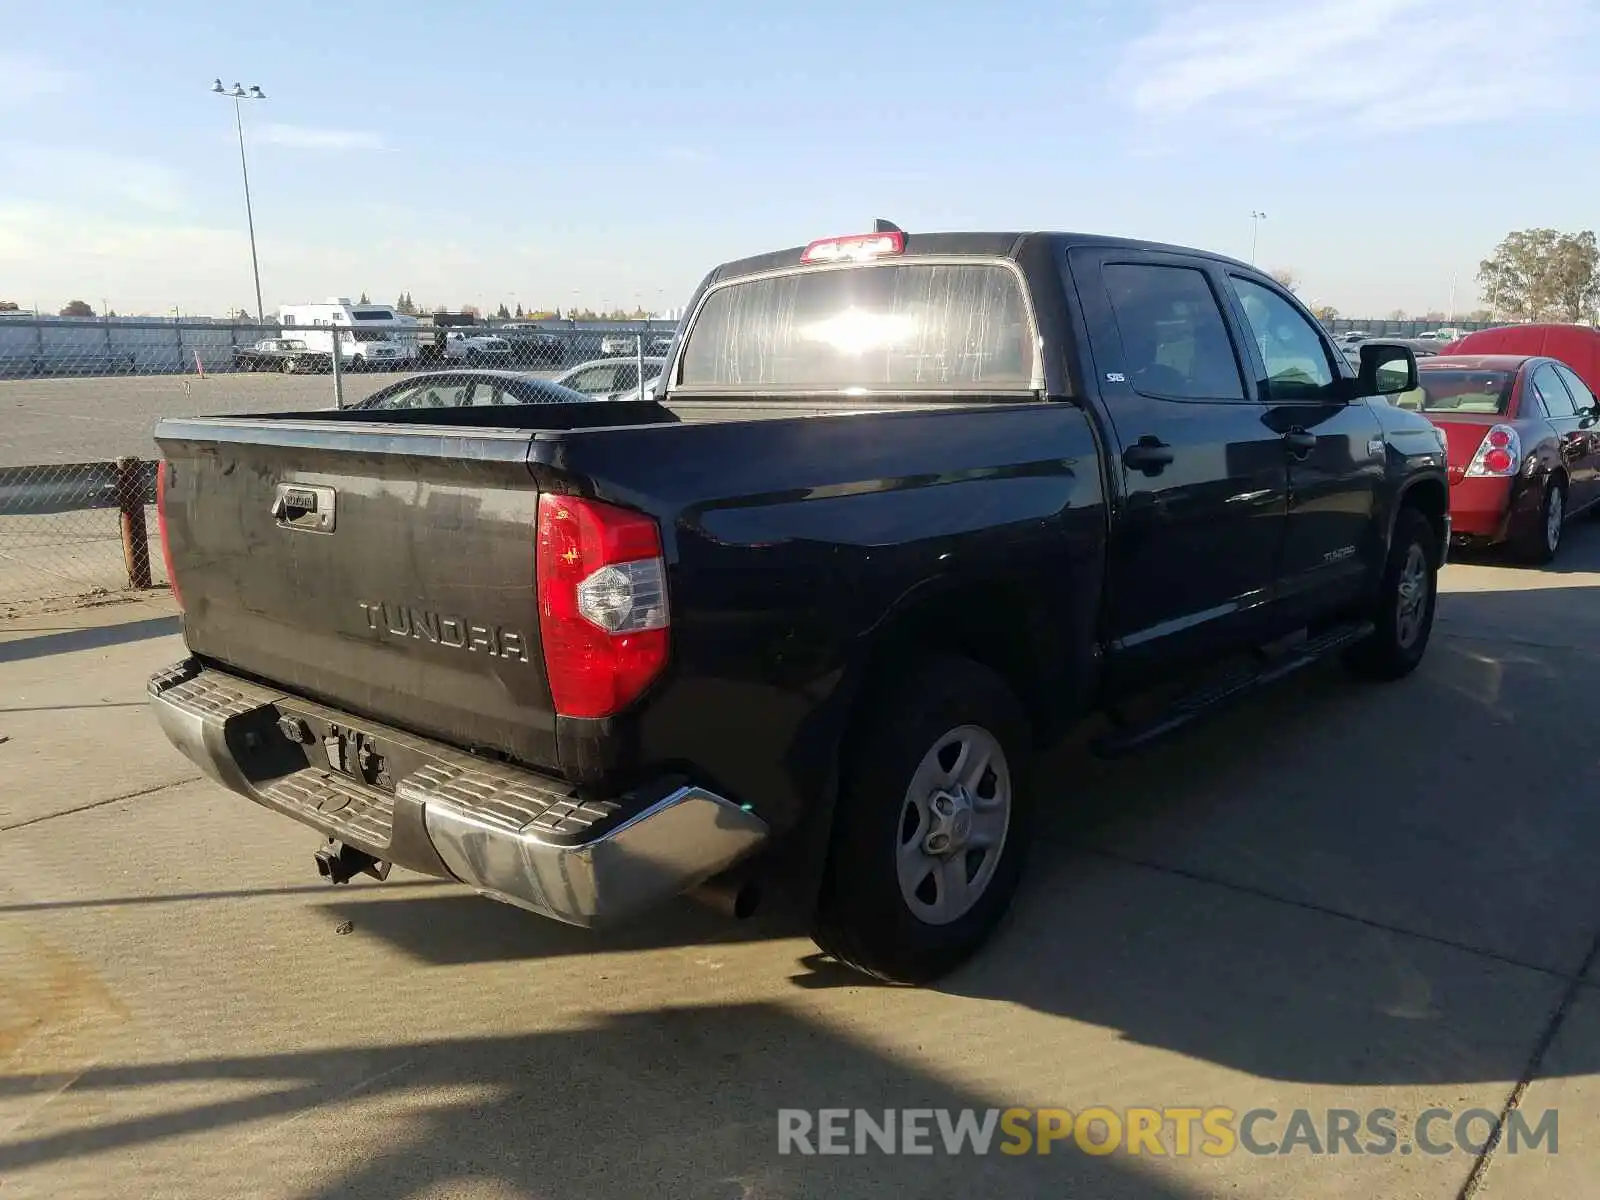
column 899, row 326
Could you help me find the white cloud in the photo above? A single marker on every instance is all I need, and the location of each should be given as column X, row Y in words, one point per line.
column 299, row 137
column 23, row 78
column 1360, row 65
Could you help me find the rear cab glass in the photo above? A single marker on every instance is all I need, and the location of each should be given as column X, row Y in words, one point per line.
column 1475, row 393
column 962, row 326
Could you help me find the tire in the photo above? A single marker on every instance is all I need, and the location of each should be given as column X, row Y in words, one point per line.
column 1403, row 617
column 290, row 366
column 884, row 823
column 1541, row 544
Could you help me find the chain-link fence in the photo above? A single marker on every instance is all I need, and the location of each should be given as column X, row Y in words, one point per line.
column 78, row 395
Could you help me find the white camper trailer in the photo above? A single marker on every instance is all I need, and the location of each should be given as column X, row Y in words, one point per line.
column 370, row 335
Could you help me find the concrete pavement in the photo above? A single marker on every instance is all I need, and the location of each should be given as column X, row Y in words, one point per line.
column 1336, row 896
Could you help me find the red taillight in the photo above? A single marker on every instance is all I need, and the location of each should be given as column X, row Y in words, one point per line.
column 162, row 471
column 603, row 620
column 1499, row 454
column 855, row 248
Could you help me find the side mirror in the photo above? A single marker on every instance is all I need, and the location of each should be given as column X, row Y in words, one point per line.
column 1386, row 370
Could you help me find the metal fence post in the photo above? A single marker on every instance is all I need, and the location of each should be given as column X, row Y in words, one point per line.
column 338, row 367
column 130, row 506
column 639, row 345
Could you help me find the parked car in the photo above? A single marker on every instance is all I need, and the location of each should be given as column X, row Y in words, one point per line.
column 613, row 344
column 468, row 389
column 609, row 378
column 1576, row 345
column 1524, row 434
column 532, row 346
column 1419, row 349
column 1351, row 338
column 281, row 354
column 658, row 345
column 471, row 347
column 907, row 508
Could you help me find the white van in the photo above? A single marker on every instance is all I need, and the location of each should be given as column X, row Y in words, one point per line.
column 371, row 336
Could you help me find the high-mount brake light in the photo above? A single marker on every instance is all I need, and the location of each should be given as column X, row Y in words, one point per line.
column 163, row 472
column 602, row 585
column 1500, row 454
column 857, row 247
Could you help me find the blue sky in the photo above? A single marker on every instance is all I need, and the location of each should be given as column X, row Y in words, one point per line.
column 611, row 152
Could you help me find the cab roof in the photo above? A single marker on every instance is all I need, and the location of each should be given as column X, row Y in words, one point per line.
column 977, row 244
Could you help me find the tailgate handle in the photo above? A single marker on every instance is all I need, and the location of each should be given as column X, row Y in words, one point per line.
column 299, row 506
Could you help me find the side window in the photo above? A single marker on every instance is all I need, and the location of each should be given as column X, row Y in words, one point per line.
column 1175, row 342
column 1557, row 403
column 595, row 379
column 485, row 394
column 1582, row 397
column 1293, row 350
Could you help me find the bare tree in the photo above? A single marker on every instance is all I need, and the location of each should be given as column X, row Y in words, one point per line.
column 1288, row 277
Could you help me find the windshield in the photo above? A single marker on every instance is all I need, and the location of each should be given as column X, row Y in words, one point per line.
column 901, row 325
column 1482, row 392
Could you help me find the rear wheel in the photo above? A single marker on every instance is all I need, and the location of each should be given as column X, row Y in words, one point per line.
column 932, row 822
column 1542, row 542
column 1407, row 599
column 291, row 365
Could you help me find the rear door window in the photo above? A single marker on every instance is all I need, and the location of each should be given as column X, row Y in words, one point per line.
column 1553, row 393
column 1175, row 343
column 898, row 326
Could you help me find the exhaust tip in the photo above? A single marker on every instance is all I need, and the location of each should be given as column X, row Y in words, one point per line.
column 738, row 900
column 745, row 902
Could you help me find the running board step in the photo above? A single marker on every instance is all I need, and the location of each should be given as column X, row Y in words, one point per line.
column 1233, row 686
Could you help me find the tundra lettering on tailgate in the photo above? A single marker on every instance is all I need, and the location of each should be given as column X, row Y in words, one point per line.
column 459, row 633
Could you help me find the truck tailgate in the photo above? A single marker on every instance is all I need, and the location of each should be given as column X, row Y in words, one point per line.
column 421, row 611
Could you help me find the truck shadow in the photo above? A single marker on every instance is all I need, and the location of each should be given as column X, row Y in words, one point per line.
column 680, row 1102
column 1335, row 882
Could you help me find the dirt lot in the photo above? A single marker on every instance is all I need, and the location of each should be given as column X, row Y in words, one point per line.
column 1334, row 897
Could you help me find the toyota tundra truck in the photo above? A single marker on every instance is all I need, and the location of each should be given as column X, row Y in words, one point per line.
column 903, row 509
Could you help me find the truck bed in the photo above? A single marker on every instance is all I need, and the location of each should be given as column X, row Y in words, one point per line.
column 418, row 606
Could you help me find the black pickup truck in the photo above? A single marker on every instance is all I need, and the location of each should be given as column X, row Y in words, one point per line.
column 905, row 509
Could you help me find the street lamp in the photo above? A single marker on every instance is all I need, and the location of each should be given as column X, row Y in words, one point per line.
column 1255, row 231
column 237, row 94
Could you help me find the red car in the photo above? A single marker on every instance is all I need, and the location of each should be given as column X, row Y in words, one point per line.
column 1524, row 436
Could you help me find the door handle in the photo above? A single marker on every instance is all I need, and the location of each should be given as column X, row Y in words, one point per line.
column 1149, row 454
column 1300, row 442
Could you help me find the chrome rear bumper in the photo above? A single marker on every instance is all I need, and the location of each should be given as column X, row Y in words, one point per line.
column 512, row 834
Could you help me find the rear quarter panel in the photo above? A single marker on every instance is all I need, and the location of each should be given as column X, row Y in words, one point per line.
column 794, row 543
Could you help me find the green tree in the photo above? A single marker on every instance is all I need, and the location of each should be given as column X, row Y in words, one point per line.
column 519, row 311
column 503, row 313
column 363, row 299
column 77, row 308
column 405, row 306
column 1543, row 274
column 1397, row 314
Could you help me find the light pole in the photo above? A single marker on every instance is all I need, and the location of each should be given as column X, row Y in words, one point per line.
column 1255, row 232
column 236, row 95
